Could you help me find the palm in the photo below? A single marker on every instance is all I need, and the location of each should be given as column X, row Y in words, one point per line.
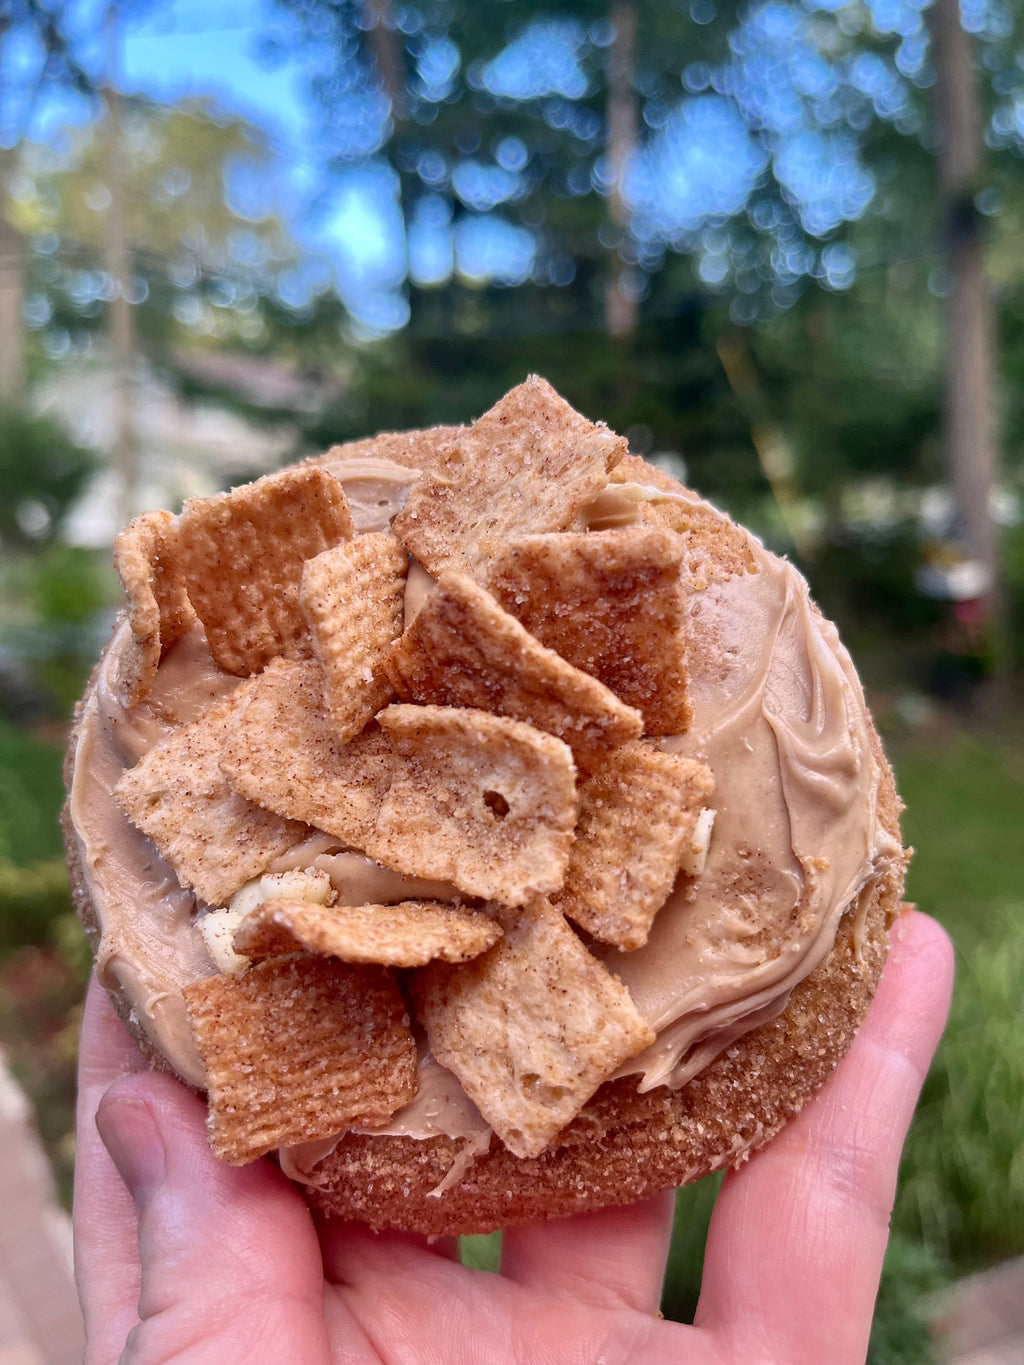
column 234, row 1266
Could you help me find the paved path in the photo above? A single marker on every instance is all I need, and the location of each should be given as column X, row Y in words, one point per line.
column 981, row 1322
column 40, row 1320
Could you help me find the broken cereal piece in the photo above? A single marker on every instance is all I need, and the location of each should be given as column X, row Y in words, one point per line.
column 300, row 1050
column 353, row 597
column 531, row 1028
column 242, row 555
column 409, row 934
column 463, row 649
column 638, row 818
column 286, row 756
column 159, row 612
column 527, row 465
column 177, row 795
column 612, row 604
column 481, row 801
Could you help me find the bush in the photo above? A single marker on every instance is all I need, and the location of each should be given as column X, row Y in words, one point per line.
column 31, row 793
column 42, row 472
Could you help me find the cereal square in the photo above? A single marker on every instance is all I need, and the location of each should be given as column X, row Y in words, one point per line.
column 529, row 464
column 463, row 649
column 531, row 1028
column 299, row 1050
column 159, row 612
column 242, row 555
column 177, row 795
column 408, row 934
column 481, row 801
column 286, row 756
column 353, row 597
column 612, row 604
column 637, row 820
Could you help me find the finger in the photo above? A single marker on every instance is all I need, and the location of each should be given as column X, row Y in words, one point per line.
column 610, row 1258
column 343, row 1245
column 105, row 1219
column 419, row 1309
column 797, row 1239
column 229, row 1256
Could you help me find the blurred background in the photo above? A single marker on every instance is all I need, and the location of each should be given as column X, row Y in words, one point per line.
column 777, row 243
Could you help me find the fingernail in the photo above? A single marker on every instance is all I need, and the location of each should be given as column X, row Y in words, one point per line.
column 132, row 1137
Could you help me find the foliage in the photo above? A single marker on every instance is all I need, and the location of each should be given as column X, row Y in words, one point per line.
column 901, row 1332
column 42, row 472
column 31, row 793
column 482, row 1252
column 33, row 899
column 753, row 128
column 57, row 618
column 67, row 585
column 694, row 1205
column 212, row 260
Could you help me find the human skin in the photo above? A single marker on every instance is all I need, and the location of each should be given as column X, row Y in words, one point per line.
column 182, row 1258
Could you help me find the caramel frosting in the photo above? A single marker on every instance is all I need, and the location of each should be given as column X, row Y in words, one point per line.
column 780, row 718
column 376, row 489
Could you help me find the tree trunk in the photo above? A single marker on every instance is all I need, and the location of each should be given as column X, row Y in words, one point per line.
column 387, row 56
column 120, row 316
column 970, row 429
column 620, row 305
column 12, row 297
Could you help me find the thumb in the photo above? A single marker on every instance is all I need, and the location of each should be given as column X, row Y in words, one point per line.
column 229, row 1258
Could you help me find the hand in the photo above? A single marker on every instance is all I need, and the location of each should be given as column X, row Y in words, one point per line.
column 181, row 1258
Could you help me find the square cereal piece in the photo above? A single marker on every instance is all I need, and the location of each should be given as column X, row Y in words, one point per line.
column 285, row 755
column 177, row 795
column 409, row 934
column 637, row 822
column 463, row 649
column 354, row 600
column 611, row 603
column 531, row 1028
column 299, row 1050
column 159, row 612
column 715, row 548
column 242, row 555
column 528, row 464
column 481, row 801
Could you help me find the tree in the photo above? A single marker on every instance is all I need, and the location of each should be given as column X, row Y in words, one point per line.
column 594, row 140
column 211, row 260
column 970, row 433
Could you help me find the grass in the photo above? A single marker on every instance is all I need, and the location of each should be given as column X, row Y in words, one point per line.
column 962, row 1180
column 965, row 820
